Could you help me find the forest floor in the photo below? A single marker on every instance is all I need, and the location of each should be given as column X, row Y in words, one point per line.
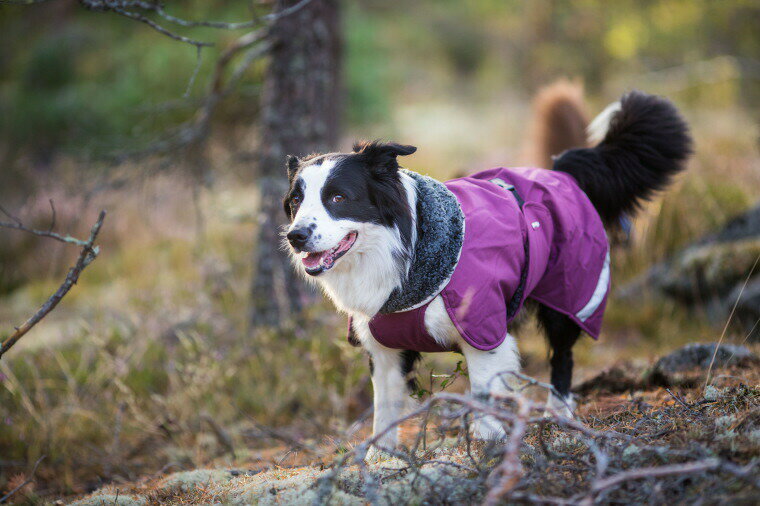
column 639, row 437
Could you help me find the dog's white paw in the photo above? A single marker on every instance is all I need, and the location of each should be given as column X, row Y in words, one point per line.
column 564, row 407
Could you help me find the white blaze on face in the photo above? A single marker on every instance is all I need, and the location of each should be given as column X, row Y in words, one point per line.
column 326, row 231
column 312, row 210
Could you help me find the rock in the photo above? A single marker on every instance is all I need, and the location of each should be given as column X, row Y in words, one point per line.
column 742, row 226
column 188, row 480
column 710, row 272
column 701, row 273
column 747, row 313
column 686, row 365
column 700, row 355
column 619, row 378
column 101, row 499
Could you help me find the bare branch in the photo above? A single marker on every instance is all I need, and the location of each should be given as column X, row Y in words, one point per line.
column 510, row 470
column 52, row 220
column 159, row 9
column 88, row 254
column 42, row 233
column 9, row 215
column 197, row 128
column 651, row 472
column 25, row 483
column 21, row 2
column 196, row 70
column 160, row 29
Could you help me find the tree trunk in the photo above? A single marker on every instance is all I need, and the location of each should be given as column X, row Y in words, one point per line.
column 300, row 115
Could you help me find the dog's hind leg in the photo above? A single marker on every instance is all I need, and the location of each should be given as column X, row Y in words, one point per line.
column 562, row 333
column 488, row 372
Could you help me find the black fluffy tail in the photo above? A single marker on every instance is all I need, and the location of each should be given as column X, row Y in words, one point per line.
column 645, row 143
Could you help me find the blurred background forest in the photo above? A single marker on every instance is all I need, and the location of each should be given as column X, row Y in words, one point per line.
column 158, row 349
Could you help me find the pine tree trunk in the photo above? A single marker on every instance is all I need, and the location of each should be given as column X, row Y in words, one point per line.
column 300, row 115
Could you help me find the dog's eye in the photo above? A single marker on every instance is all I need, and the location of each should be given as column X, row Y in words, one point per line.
column 295, row 200
column 338, row 198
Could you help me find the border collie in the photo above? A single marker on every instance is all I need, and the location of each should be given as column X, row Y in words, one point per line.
column 423, row 266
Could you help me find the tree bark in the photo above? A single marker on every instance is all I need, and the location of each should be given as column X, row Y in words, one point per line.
column 300, row 115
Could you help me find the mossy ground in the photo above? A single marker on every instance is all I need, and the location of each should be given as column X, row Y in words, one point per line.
column 652, row 428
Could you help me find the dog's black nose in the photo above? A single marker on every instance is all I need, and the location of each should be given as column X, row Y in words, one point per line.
column 299, row 236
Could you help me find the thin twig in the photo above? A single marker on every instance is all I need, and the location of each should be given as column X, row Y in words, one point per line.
column 9, row 215
column 160, row 29
column 52, row 235
column 728, row 321
column 86, row 256
column 22, row 2
column 651, row 472
column 196, row 70
column 52, row 220
column 159, row 9
column 682, row 403
column 510, row 470
column 25, row 483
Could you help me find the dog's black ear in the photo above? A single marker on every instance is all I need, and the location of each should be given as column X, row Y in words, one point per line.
column 292, row 166
column 383, row 155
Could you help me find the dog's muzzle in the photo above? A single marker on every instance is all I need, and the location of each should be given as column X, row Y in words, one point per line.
column 299, row 237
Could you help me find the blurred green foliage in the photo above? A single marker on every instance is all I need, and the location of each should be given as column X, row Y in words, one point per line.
column 77, row 81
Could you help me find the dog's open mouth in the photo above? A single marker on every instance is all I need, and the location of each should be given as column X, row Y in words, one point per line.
column 319, row 261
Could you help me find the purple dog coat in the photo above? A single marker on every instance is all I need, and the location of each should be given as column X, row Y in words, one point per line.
column 528, row 233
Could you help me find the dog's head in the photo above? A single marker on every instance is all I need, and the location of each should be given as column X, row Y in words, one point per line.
column 345, row 204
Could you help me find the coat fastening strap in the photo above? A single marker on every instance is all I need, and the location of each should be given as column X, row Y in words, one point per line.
column 500, row 182
column 514, row 303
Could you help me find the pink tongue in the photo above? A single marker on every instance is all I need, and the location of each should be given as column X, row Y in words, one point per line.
column 313, row 260
column 326, row 258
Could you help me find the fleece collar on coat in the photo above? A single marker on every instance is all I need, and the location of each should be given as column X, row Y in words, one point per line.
column 440, row 234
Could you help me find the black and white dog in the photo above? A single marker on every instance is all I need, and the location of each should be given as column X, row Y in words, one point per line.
column 355, row 225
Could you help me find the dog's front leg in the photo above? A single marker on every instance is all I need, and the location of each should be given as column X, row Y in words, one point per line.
column 488, row 372
column 389, row 387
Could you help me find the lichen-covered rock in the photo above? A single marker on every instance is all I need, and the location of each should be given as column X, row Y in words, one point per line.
column 701, row 272
column 567, row 443
column 687, row 365
column 285, row 486
column 747, row 312
column 618, row 378
column 701, row 354
column 107, row 499
column 188, row 480
column 710, row 273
